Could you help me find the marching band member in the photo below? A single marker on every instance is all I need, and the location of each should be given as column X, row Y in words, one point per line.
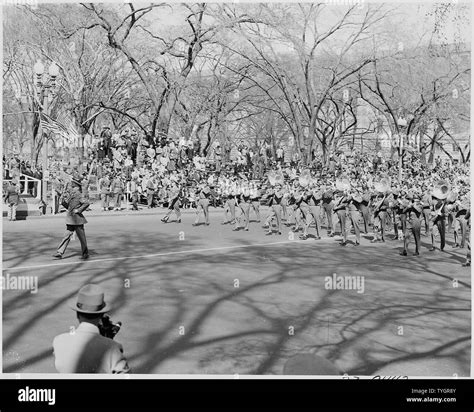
column 438, row 215
column 295, row 202
column 238, row 199
column 354, row 198
column 403, row 204
column 244, row 204
column 426, row 203
column 304, row 208
column 276, row 198
column 255, row 200
column 328, row 207
column 395, row 207
column 340, row 209
column 380, row 216
column 267, row 197
column 364, row 207
column 414, row 211
column 174, row 200
column 204, row 193
column 461, row 223
column 230, row 201
column 313, row 200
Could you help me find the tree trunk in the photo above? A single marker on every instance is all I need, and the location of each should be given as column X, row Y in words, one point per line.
column 433, row 147
column 324, row 150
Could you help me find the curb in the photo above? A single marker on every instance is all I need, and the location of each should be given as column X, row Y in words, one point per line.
column 156, row 212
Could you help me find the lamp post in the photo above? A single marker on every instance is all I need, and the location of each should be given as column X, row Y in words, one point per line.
column 402, row 124
column 45, row 90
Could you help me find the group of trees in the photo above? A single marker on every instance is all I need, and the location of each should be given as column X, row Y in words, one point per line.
column 232, row 72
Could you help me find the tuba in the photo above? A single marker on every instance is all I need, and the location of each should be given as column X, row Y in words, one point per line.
column 280, row 179
column 442, row 190
column 383, row 185
column 305, row 178
column 272, row 177
column 343, row 184
column 276, row 178
column 452, row 196
column 357, row 197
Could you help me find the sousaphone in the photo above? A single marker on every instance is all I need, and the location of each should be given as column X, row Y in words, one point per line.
column 305, row 178
column 442, row 190
column 452, row 196
column 271, row 177
column 343, row 184
column 275, row 178
column 383, row 185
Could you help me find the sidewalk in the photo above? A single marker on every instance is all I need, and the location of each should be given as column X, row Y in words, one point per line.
column 96, row 210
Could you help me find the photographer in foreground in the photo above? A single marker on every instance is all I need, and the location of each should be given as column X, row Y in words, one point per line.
column 90, row 347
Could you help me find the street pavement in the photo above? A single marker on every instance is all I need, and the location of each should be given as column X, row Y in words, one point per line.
column 208, row 300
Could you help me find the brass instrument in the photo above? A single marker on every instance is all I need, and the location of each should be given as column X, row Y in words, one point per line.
column 383, row 185
column 442, row 190
column 305, row 178
column 276, row 178
column 357, row 197
column 343, row 184
column 379, row 204
column 436, row 213
column 452, row 196
column 271, row 177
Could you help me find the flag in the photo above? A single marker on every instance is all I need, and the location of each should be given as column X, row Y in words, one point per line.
column 50, row 125
column 71, row 131
column 62, row 126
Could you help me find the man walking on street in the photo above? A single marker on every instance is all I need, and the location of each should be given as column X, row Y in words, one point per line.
column 75, row 204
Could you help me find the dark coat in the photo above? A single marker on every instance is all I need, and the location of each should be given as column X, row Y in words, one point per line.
column 73, row 200
column 12, row 195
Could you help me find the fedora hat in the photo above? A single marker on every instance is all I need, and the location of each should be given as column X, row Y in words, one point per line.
column 90, row 299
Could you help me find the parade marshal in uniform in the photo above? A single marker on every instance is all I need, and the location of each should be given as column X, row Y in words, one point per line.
column 75, row 204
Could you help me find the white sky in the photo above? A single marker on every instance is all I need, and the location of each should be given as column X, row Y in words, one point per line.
column 411, row 17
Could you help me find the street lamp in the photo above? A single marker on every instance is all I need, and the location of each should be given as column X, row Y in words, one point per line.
column 402, row 124
column 53, row 70
column 45, row 89
column 38, row 68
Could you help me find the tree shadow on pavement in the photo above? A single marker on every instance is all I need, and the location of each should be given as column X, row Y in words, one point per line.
column 184, row 314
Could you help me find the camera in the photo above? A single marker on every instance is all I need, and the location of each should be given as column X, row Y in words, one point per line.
column 108, row 328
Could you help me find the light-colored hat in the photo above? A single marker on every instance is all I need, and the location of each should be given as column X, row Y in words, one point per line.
column 90, row 299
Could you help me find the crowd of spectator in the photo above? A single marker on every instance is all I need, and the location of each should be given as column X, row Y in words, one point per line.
column 129, row 164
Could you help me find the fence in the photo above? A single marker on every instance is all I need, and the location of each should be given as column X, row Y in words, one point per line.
column 25, row 181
